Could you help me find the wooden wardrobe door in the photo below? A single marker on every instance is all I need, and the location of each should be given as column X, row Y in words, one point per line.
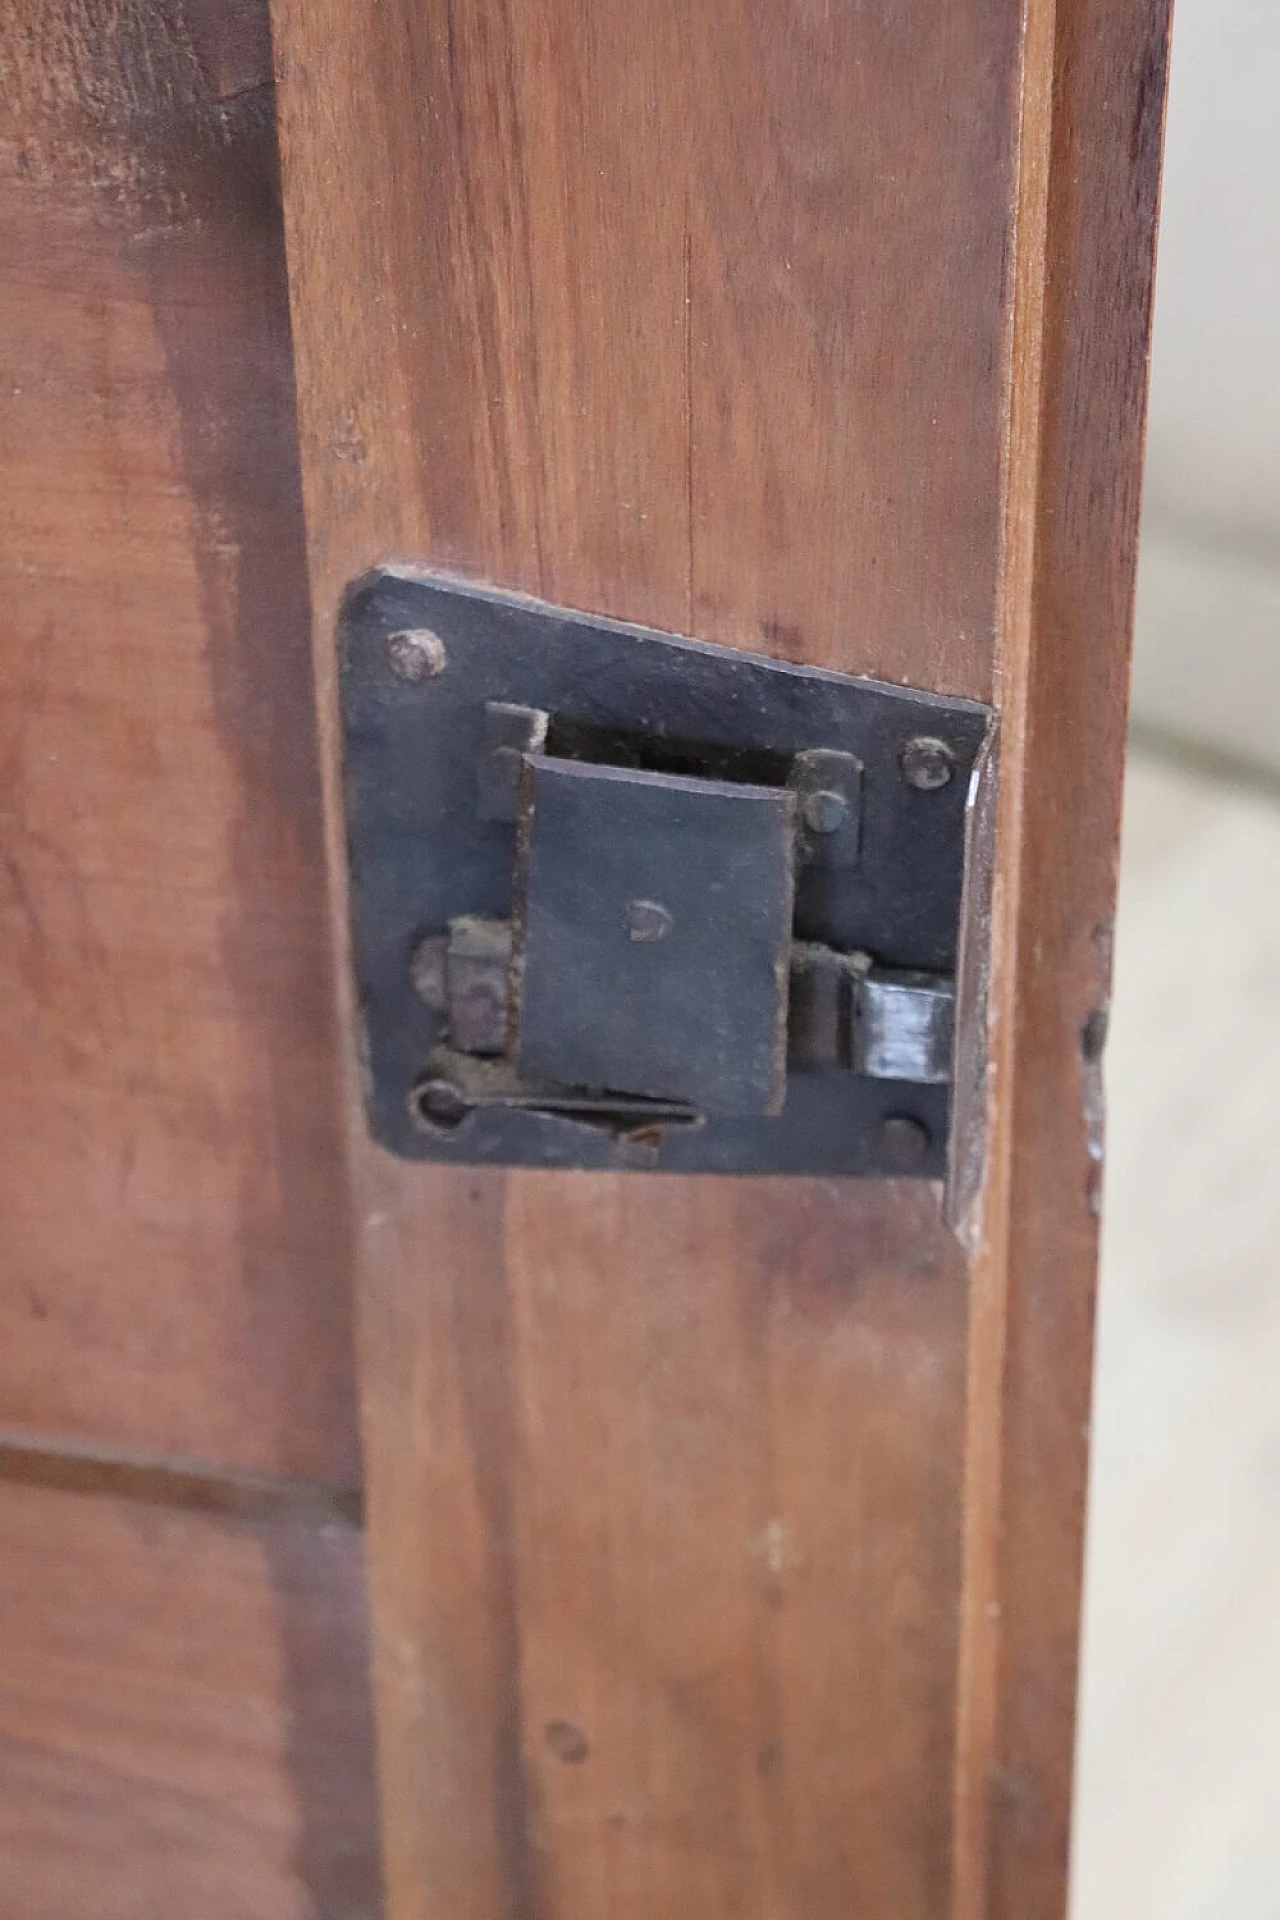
column 184, row 1701
column 725, row 1533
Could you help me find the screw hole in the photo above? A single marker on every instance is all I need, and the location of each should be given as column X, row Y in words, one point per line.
column 436, row 1105
column 647, row 920
column 904, row 1142
column 567, row 1742
column 1093, row 1037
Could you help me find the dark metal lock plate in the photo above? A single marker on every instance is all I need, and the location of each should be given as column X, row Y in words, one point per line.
column 617, row 896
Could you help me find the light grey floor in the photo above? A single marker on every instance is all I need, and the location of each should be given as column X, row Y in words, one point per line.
column 1206, row 661
column 1178, row 1805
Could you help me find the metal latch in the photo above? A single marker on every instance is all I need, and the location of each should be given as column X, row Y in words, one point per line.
column 622, row 899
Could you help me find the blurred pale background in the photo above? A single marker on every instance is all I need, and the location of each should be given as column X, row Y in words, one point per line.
column 1208, row 659
column 1178, row 1812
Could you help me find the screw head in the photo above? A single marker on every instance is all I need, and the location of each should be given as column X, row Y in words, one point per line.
column 647, row 920
column 904, row 1142
column 926, row 763
column 437, row 1105
column 415, row 654
column 825, row 811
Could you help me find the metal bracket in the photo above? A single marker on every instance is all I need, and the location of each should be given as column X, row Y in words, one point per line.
column 623, row 899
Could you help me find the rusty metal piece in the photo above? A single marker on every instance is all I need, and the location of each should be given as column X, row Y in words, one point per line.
column 828, row 786
column 463, row 975
column 476, row 968
column 927, row 763
column 509, row 732
column 427, row 970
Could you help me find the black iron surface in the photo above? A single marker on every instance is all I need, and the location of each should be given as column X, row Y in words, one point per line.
column 422, row 855
column 653, row 935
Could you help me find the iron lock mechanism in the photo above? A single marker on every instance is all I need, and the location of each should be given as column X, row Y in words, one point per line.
column 623, row 899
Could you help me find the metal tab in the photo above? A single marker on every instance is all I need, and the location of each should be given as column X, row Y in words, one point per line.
column 509, row 732
column 828, row 787
column 653, row 935
column 905, row 1027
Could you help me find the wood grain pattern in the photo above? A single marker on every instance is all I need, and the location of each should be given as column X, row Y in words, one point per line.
column 623, row 350
column 184, row 1723
column 721, row 321
column 1080, row 390
column 175, row 1231
column 695, row 1449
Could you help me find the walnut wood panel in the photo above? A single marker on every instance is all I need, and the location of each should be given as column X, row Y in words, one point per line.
column 686, row 1497
column 174, row 1260
column 1095, row 93
column 184, row 1723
